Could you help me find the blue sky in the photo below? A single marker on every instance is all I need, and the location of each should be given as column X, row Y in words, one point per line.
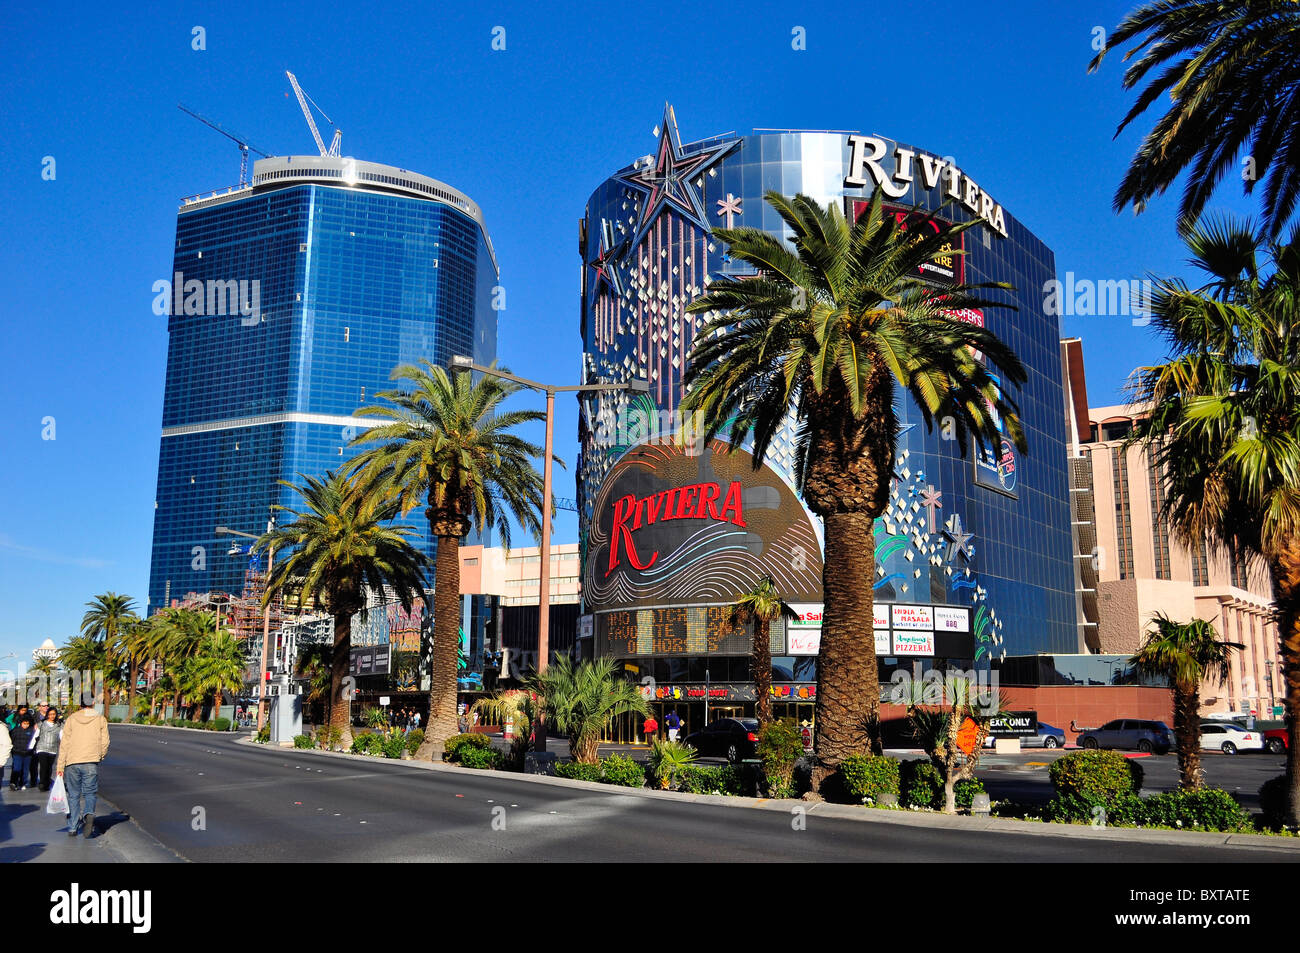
column 527, row 132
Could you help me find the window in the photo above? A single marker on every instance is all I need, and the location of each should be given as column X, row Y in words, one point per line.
column 1123, row 515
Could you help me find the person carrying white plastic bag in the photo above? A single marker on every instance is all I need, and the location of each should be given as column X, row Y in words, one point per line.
column 58, row 802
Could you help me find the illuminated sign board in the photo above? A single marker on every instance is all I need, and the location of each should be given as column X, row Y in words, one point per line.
column 917, row 168
column 680, row 525
column 913, row 643
column 942, row 269
column 670, row 630
column 911, row 617
column 948, row 619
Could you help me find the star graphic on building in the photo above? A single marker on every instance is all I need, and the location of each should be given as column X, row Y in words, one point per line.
column 931, row 500
column 958, row 540
column 730, row 207
column 665, row 181
column 608, row 256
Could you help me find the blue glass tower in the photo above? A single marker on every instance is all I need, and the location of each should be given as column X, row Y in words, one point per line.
column 291, row 301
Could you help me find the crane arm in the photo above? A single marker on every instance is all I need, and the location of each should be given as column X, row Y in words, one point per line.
column 302, row 101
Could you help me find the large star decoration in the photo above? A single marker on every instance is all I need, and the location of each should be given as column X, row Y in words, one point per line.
column 608, row 257
column 667, row 180
column 958, row 540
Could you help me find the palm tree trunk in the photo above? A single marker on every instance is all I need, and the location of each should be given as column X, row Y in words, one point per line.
column 340, row 714
column 848, row 682
column 1285, row 567
column 763, row 672
column 1187, row 734
column 130, row 691
column 446, row 642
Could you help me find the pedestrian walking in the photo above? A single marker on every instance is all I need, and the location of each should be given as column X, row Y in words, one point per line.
column 24, row 740
column 673, row 724
column 47, row 746
column 82, row 748
column 5, row 747
column 651, row 728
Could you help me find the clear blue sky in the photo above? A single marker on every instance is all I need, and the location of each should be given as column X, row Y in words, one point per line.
column 528, row 133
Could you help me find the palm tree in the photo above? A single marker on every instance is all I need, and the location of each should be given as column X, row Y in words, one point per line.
column 830, row 331
column 1186, row 654
column 137, row 644
column 176, row 636
column 444, row 443
column 760, row 607
column 1232, row 76
column 341, row 547
column 1224, row 422
column 583, row 699
column 85, row 655
column 218, row 668
column 108, row 619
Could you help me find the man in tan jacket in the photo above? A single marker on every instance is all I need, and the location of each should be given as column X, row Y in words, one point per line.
column 83, row 746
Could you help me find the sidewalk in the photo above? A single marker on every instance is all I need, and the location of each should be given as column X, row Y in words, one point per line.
column 29, row 835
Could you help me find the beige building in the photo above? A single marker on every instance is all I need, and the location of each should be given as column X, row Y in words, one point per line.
column 515, row 575
column 1136, row 567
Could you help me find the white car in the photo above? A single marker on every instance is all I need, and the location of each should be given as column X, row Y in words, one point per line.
column 1230, row 738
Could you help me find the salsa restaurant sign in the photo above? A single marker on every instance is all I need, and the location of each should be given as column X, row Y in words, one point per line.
column 867, row 171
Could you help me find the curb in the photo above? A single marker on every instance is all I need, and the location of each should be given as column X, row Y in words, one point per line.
column 849, row 812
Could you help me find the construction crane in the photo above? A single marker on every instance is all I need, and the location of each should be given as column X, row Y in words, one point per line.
column 303, row 100
column 245, row 147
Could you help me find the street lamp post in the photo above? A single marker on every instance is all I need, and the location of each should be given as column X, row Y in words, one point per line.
column 266, row 617
column 462, row 362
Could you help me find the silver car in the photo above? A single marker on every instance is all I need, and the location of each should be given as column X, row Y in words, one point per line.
column 1130, row 733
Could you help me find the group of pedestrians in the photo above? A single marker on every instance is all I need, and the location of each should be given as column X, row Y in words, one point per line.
column 41, row 747
column 408, row 719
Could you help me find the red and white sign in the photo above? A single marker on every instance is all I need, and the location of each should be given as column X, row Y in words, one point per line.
column 804, row 641
column 949, row 619
column 913, row 643
column 913, row 618
column 810, row 615
column 881, row 614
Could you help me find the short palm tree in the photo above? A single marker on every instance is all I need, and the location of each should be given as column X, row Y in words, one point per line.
column 760, row 607
column 340, row 547
column 218, row 668
column 85, row 655
column 830, row 331
column 583, row 699
column 444, row 443
column 1186, row 654
column 176, row 636
column 1232, row 77
column 108, row 620
column 1224, row 420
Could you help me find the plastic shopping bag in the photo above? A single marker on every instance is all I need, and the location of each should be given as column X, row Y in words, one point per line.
column 58, row 802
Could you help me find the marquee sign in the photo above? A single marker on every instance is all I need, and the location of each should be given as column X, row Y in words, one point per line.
column 676, row 528
column 948, row 270
column 866, row 170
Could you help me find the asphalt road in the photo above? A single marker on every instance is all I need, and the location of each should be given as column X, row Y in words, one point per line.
column 210, row 798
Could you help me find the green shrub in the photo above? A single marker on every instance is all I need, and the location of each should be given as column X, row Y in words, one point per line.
column 483, row 758
column 365, row 743
column 668, row 759
column 867, row 776
column 920, row 785
column 304, row 741
column 1272, row 802
column 221, row 724
column 622, row 771
column 1096, row 775
column 1122, row 810
column 414, row 739
column 455, row 746
column 964, row 792
column 697, row 779
column 263, row 735
column 392, row 745
column 328, row 739
column 1209, row 809
column 780, row 746
column 575, row 771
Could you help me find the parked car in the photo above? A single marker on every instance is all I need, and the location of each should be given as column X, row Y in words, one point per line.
column 1275, row 740
column 1047, row 737
column 1148, row 736
column 1229, row 738
column 732, row 738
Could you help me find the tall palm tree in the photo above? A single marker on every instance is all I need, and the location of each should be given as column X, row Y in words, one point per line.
column 108, row 619
column 444, row 443
column 1186, row 654
column 341, row 547
column 218, row 668
column 176, row 636
column 583, row 699
column 1232, row 74
column 137, row 644
column 830, row 331
column 1224, row 422
column 82, row 655
column 760, row 607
